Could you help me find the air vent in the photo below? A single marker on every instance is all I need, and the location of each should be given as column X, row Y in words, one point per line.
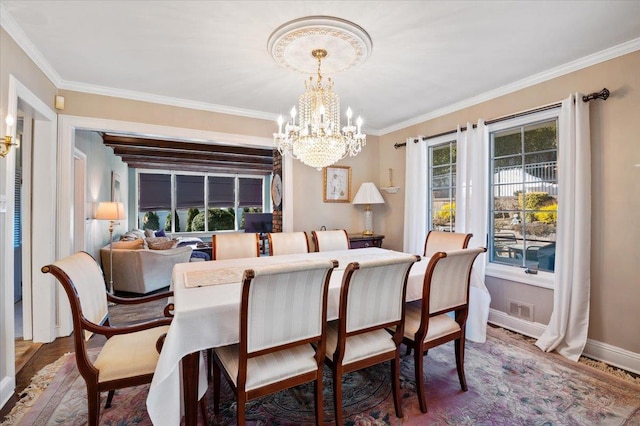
column 520, row 309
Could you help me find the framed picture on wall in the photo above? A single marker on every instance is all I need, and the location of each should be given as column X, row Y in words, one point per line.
column 336, row 184
column 115, row 187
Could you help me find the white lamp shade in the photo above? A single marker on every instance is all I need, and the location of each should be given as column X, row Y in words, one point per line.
column 109, row 210
column 368, row 194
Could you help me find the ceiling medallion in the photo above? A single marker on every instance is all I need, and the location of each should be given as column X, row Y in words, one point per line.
column 317, row 137
column 347, row 43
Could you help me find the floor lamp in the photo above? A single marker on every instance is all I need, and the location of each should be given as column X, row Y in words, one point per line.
column 368, row 194
column 111, row 211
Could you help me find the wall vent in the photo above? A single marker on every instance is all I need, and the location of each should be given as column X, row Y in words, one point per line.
column 520, row 309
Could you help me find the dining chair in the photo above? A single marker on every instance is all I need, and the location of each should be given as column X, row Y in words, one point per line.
column 235, row 246
column 371, row 300
column 331, row 240
column 445, row 241
column 445, row 289
column 283, row 312
column 288, row 243
column 129, row 356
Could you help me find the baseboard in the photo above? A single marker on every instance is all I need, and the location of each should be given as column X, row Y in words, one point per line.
column 504, row 320
column 7, row 386
column 599, row 351
column 613, row 355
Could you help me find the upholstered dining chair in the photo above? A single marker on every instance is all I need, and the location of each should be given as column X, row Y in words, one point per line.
column 445, row 241
column 235, row 246
column 427, row 325
column 129, row 356
column 288, row 243
column 371, row 299
column 283, row 313
column 330, row 240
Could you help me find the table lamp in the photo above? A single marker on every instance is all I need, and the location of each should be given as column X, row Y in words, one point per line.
column 368, row 194
column 111, row 211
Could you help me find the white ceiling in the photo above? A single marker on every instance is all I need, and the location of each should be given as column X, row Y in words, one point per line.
column 427, row 57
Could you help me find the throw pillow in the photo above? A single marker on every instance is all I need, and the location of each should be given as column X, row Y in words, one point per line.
column 129, row 245
column 162, row 245
column 160, row 233
column 149, row 233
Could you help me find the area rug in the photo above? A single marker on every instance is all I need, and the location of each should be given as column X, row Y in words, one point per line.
column 510, row 383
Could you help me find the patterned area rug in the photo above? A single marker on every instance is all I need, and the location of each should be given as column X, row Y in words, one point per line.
column 510, row 382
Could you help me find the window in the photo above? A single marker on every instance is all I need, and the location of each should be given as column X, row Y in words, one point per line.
column 442, row 184
column 187, row 194
column 524, row 190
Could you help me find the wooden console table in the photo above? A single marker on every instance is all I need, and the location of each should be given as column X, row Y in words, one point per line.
column 364, row 241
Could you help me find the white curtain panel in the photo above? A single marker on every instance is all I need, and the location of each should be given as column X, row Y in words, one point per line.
column 569, row 323
column 471, row 217
column 415, row 200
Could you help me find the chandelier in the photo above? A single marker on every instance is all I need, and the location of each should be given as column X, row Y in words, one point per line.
column 316, row 138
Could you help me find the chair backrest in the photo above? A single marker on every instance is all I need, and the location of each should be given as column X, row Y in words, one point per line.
column 373, row 293
column 331, row 240
column 284, row 305
column 235, row 246
column 445, row 241
column 288, row 243
column 446, row 282
column 83, row 282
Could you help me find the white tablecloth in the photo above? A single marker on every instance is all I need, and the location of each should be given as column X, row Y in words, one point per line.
column 207, row 317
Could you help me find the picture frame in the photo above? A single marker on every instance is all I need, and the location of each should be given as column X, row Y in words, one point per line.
column 336, row 184
column 115, row 187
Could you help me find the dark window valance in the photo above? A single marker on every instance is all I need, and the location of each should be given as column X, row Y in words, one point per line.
column 155, row 192
column 221, row 191
column 250, row 192
column 189, row 191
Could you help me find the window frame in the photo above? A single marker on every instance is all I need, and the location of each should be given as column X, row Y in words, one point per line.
column 514, row 273
column 450, row 139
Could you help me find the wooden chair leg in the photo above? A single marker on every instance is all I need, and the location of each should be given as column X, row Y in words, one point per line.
column 209, row 363
column 395, row 380
column 203, row 408
column 109, row 399
column 242, row 402
column 337, row 395
column 93, row 402
column 459, row 349
column 418, row 366
column 216, row 388
column 318, row 398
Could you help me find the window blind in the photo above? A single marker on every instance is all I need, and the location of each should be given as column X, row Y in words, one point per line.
column 221, row 191
column 155, row 192
column 250, row 192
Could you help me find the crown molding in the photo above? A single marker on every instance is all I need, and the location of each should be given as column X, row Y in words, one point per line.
column 165, row 100
column 587, row 61
column 13, row 29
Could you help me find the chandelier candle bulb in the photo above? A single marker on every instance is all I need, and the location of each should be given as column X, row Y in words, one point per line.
column 349, row 114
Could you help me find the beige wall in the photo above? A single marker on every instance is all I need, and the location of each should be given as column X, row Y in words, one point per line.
column 615, row 148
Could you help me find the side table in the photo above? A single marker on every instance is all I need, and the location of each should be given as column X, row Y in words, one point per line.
column 363, row 241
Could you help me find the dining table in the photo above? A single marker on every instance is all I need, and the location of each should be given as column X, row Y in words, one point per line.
column 206, row 315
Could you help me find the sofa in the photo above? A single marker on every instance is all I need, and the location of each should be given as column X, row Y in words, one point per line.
column 141, row 270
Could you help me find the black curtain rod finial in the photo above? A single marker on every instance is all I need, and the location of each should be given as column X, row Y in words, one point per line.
column 603, row 94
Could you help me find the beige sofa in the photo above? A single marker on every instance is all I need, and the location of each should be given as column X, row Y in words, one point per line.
column 142, row 270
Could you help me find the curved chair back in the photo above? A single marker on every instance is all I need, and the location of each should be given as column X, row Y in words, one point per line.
column 235, row 246
column 331, row 240
column 288, row 243
column 445, row 241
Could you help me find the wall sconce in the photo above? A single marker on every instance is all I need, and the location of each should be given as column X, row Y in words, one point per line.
column 7, row 139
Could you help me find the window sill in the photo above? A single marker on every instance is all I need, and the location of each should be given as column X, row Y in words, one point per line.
column 511, row 273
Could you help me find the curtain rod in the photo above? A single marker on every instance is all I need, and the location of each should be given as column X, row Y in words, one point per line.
column 603, row 94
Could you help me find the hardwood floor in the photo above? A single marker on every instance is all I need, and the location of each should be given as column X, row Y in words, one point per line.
column 44, row 354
